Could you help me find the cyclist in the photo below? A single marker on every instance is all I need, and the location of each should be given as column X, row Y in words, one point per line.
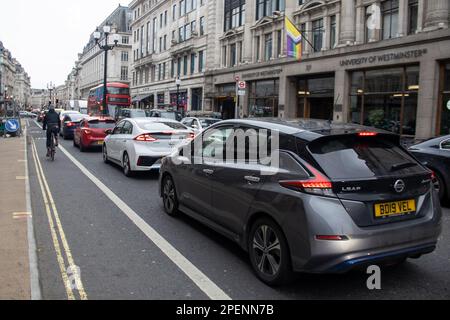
column 52, row 125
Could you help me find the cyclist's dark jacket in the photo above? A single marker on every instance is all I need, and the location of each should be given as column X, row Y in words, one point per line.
column 51, row 120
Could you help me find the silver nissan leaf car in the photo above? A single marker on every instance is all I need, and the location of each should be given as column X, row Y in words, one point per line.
column 333, row 198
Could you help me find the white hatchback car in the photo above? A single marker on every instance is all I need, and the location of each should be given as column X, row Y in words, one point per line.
column 139, row 144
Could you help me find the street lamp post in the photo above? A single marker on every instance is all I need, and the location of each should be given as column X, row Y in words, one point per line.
column 106, row 47
column 51, row 87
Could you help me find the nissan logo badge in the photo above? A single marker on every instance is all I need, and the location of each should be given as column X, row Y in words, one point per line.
column 399, row 186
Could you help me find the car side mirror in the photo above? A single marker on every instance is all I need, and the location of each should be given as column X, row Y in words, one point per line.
column 108, row 132
column 194, row 126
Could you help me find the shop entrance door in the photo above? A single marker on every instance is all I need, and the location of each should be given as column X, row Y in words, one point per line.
column 316, row 97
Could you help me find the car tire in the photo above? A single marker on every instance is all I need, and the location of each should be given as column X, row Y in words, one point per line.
column 440, row 186
column 272, row 266
column 105, row 155
column 169, row 195
column 82, row 148
column 74, row 143
column 126, row 166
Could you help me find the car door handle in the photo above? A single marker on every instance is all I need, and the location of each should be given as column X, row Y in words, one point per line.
column 253, row 179
column 208, row 171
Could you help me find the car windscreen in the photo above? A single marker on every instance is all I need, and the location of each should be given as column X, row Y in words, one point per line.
column 206, row 123
column 76, row 117
column 138, row 114
column 161, row 126
column 102, row 124
column 354, row 157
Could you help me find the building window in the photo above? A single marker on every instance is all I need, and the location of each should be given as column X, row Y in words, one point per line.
column 179, row 67
column 268, row 7
column 185, row 65
column 192, row 63
column 268, row 47
column 386, row 99
column 317, row 30
column 224, row 56
column 124, row 56
column 263, row 98
column 233, row 53
column 124, row 74
column 413, row 16
column 174, row 12
column 234, row 14
column 125, row 40
column 389, row 12
column 279, row 43
column 258, row 48
column 202, row 26
column 333, row 32
column 172, row 69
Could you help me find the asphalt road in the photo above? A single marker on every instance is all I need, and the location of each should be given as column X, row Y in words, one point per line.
column 117, row 260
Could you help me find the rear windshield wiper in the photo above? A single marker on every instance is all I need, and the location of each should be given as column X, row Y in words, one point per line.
column 403, row 165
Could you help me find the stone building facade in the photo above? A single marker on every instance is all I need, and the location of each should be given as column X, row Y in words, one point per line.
column 383, row 63
column 14, row 81
column 91, row 61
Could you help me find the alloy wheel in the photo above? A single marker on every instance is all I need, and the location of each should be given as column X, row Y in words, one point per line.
column 267, row 250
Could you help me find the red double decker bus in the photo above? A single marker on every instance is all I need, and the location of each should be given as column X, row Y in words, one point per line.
column 117, row 97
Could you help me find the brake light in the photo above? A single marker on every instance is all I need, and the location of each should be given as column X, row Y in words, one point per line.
column 70, row 124
column 433, row 175
column 88, row 132
column 367, row 134
column 145, row 138
column 318, row 184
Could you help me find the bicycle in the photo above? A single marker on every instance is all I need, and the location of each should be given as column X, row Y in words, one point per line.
column 52, row 148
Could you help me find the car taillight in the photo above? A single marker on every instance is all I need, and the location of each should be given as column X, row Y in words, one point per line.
column 367, row 134
column 70, row 124
column 332, row 238
column 145, row 138
column 87, row 131
column 317, row 184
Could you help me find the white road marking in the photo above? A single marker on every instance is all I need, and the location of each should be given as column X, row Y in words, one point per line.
column 189, row 269
column 32, row 247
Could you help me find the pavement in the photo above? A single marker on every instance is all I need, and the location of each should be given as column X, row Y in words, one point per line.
column 101, row 236
column 15, row 217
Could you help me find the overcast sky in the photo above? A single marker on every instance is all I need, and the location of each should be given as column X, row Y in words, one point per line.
column 46, row 35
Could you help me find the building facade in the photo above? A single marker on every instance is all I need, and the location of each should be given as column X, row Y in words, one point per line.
column 379, row 63
column 39, row 98
column 15, row 84
column 170, row 41
column 91, row 61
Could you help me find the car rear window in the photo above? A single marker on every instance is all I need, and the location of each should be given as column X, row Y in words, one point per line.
column 138, row 114
column 161, row 126
column 206, row 123
column 97, row 124
column 76, row 117
column 362, row 157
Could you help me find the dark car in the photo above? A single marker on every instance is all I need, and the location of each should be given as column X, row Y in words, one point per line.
column 436, row 154
column 334, row 197
column 69, row 124
column 166, row 114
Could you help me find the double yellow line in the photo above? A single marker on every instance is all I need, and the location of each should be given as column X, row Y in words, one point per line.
column 57, row 229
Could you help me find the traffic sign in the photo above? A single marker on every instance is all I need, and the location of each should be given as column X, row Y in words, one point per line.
column 12, row 125
column 242, row 85
column 241, row 92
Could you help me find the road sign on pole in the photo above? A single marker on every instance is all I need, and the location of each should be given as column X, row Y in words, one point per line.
column 242, row 85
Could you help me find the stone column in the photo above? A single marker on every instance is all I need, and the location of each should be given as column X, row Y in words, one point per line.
column 436, row 16
column 428, row 99
column 341, row 96
column 347, row 36
column 248, row 50
column 326, row 38
column 403, row 18
column 360, row 24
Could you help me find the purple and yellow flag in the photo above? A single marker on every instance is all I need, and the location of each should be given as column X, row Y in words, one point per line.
column 294, row 40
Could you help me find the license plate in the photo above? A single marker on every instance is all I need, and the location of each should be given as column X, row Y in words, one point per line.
column 383, row 210
column 100, row 142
